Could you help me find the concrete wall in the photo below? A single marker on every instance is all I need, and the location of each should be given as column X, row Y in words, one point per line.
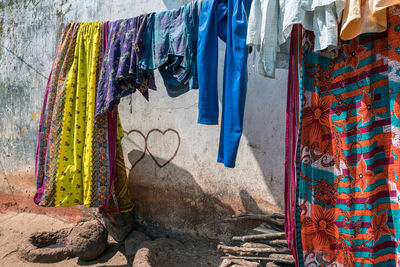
column 191, row 193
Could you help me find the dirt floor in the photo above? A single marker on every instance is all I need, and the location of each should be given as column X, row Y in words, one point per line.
column 20, row 217
column 21, row 203
column 15, row 228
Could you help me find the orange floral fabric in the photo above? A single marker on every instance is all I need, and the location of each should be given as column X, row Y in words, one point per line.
column 348, row 161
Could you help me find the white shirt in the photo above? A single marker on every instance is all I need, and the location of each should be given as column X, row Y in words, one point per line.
column 271, row 23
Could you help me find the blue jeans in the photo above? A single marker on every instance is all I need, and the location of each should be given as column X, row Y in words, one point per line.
column 226, row 19
column 170, row 44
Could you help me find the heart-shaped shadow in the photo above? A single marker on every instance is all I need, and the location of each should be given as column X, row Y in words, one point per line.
column 135, row 162
column 163, row 133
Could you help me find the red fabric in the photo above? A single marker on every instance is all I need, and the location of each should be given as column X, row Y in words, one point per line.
column 112, row 131
column 291, row 140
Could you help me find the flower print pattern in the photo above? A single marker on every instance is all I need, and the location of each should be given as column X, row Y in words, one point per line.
column 379, row 226
column 361, row 176
column 76, row 158
column 366, row 110
column 316, row 118
column 347, row 188
column 353, row 51
column 321, row 227
column 396, row 106
column 120, row 75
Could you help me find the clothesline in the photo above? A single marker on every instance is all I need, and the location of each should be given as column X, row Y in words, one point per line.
column 342, row 115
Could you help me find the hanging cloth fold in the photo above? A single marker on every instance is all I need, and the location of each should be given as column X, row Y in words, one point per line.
column 121, row 200
column 364, row 16
column 348, row 191
column 271, row 23
column 73, row 165
column 227, row 20
column 170, row 44
column 291, row 140
column 120, row 75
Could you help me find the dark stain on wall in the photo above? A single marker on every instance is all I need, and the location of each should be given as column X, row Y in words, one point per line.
column 16, row 134
column 1, row 23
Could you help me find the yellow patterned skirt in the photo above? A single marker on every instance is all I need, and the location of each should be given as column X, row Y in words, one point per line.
column 73, row 161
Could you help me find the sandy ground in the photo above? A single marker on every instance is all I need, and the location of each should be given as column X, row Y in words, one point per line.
column 16, row 227
column 20, row 217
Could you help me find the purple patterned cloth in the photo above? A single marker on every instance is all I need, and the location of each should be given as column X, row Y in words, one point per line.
column 120, row 75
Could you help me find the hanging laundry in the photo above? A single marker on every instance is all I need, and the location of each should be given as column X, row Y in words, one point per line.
column 170, row 44
column 363, row 16
column 348, row 158
column 72, row 162
column 291, row 140
column 320, row 17
column 120, row 75
column 262, row 34
column 227, row 20
column 121, row 201
column 271, row 23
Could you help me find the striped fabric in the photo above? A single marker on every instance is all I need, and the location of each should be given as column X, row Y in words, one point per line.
column 348, row 186
column 73, row 152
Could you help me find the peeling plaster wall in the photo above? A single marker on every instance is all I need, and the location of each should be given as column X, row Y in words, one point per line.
column 188, row 192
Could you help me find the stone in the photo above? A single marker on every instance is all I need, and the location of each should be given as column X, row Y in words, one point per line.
column 156, row 253
column 239, row 263
column 44, row 255
column 271, row 264
column 46, row 247
column 45, row 239
column 87, row 240
column 167, row 252
column 119, row 225
column 132, row 244
column 142, row 258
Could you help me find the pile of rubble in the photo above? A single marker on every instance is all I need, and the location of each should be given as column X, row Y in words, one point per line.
column 266, row 247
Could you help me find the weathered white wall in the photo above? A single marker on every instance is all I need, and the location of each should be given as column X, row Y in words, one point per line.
column 192, row 192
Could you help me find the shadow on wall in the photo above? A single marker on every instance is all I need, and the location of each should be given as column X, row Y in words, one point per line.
column 189, row 206
column 265, row 128
column 179, row 204
column 264, row 124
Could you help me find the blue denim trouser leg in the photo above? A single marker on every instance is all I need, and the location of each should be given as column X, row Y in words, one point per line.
column 228, row 20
